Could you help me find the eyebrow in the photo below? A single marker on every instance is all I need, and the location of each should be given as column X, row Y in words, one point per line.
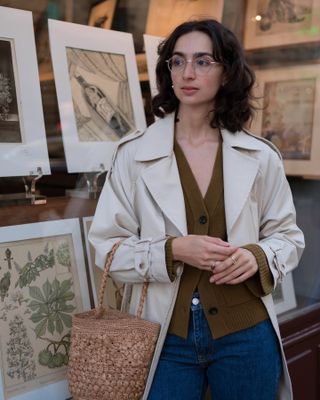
column 198, row 54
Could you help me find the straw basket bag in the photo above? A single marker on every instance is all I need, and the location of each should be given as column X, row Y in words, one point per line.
column 111, row 351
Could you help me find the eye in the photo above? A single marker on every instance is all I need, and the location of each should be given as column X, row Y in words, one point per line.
column 177, row 61
column 203, row 61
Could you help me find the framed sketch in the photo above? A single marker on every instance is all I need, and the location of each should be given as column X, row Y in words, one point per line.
column 101, row 15
column 165, row 15
column 23, row 146
column 98, row 92
column 289, row 115
column 114, row 290
column 272, row 23
column 284, row 296
column 151, row 44
column 42, row 283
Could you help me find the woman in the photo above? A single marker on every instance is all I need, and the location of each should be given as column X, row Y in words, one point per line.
column 206, row 215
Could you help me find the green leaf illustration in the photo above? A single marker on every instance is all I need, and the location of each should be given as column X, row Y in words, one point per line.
column 51, row 310
column 32, row 268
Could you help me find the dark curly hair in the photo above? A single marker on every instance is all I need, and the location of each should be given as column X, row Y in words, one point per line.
column 233, row 104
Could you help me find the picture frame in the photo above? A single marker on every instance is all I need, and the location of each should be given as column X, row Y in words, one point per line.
column 43, row 283
column 114, row 290
column 151, row 44
column 23, row 145
column 284, row 295
column 165, row 15
column 98, row 92
column 289, row 100
column 274, row 23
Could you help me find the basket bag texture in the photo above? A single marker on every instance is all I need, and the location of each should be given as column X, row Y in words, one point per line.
column 111, row 351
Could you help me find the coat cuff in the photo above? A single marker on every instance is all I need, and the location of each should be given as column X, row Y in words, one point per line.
column 261, row 283
column 171, row 267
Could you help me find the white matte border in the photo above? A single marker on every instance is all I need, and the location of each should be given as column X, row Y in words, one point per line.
column 19, row 159
column 88, row 156
column 151, row 44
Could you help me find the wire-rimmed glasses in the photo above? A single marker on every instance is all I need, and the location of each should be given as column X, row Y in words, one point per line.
column 201, row 64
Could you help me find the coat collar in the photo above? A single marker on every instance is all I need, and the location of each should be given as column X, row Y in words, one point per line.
column 162, row 177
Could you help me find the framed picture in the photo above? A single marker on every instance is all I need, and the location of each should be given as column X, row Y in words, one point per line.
column 23, row 146
column 114, row 290
column 272, row 23
column 42, row 283
column 289, row 115
column 98, row 92
column 165, row 15
column 284, row 296
column 101, row 15
column 151, row 44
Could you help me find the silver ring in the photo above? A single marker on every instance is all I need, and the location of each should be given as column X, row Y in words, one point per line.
column 234, row 259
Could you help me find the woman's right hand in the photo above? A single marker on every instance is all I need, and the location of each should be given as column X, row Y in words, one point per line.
column 201, row 251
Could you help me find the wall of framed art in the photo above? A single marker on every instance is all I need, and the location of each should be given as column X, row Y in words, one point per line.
column 92, row 85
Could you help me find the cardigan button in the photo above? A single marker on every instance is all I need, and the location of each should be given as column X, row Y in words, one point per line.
column 213, row 311
column 203, row 220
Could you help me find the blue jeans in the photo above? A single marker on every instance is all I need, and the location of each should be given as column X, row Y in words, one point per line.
column 245, row 365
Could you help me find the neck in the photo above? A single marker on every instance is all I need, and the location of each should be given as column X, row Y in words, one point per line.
column 194, row 124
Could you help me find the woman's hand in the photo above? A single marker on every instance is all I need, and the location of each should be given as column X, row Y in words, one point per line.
column 237, row 268
column 200, row 251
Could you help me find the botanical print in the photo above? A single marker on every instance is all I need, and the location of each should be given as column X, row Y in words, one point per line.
column 288, row 113
column 100, row 94
column 39, row 292
column 114, row 290
column 9, row 115
column 281, row 16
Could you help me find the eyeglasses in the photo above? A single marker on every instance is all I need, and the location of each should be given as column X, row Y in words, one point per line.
column 200, row 64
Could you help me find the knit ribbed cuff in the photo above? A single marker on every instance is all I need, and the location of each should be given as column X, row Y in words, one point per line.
column 261, row 283
column 171, row 268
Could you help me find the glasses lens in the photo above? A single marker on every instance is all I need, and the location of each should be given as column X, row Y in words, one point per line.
column 176, row 63
column 203, row 64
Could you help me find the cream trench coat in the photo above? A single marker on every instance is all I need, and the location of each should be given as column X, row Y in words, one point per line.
column 142, row 202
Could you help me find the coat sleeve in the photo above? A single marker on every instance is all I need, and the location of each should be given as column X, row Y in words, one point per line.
column 279, row 237
column 138, row 258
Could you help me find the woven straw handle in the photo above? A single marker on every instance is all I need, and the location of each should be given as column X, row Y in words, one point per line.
column 100, row 309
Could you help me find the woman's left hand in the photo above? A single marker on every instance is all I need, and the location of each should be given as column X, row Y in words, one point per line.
column 235, row 269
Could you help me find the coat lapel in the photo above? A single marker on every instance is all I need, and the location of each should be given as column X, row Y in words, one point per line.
column 162, row 176
column 163, row 182
column 239, row 173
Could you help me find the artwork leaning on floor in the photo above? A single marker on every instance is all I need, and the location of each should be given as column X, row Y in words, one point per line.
column 42, row 284
column 98, row 91
column 289, row 117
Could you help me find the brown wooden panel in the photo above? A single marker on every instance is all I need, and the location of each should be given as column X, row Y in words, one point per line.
column 302, row 349
column 56, row 208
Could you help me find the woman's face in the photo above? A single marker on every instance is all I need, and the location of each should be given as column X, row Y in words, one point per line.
column 194, row 84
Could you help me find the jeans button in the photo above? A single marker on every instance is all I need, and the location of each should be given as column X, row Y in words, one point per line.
column 195, row 301
column 213, row 311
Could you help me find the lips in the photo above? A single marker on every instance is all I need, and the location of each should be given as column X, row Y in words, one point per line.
column 189, row 89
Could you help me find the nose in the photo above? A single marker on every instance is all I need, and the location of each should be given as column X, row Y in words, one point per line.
column 188, row 72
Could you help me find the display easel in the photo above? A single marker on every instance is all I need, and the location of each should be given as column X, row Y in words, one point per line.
column 90, row 190
column 30, row 196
